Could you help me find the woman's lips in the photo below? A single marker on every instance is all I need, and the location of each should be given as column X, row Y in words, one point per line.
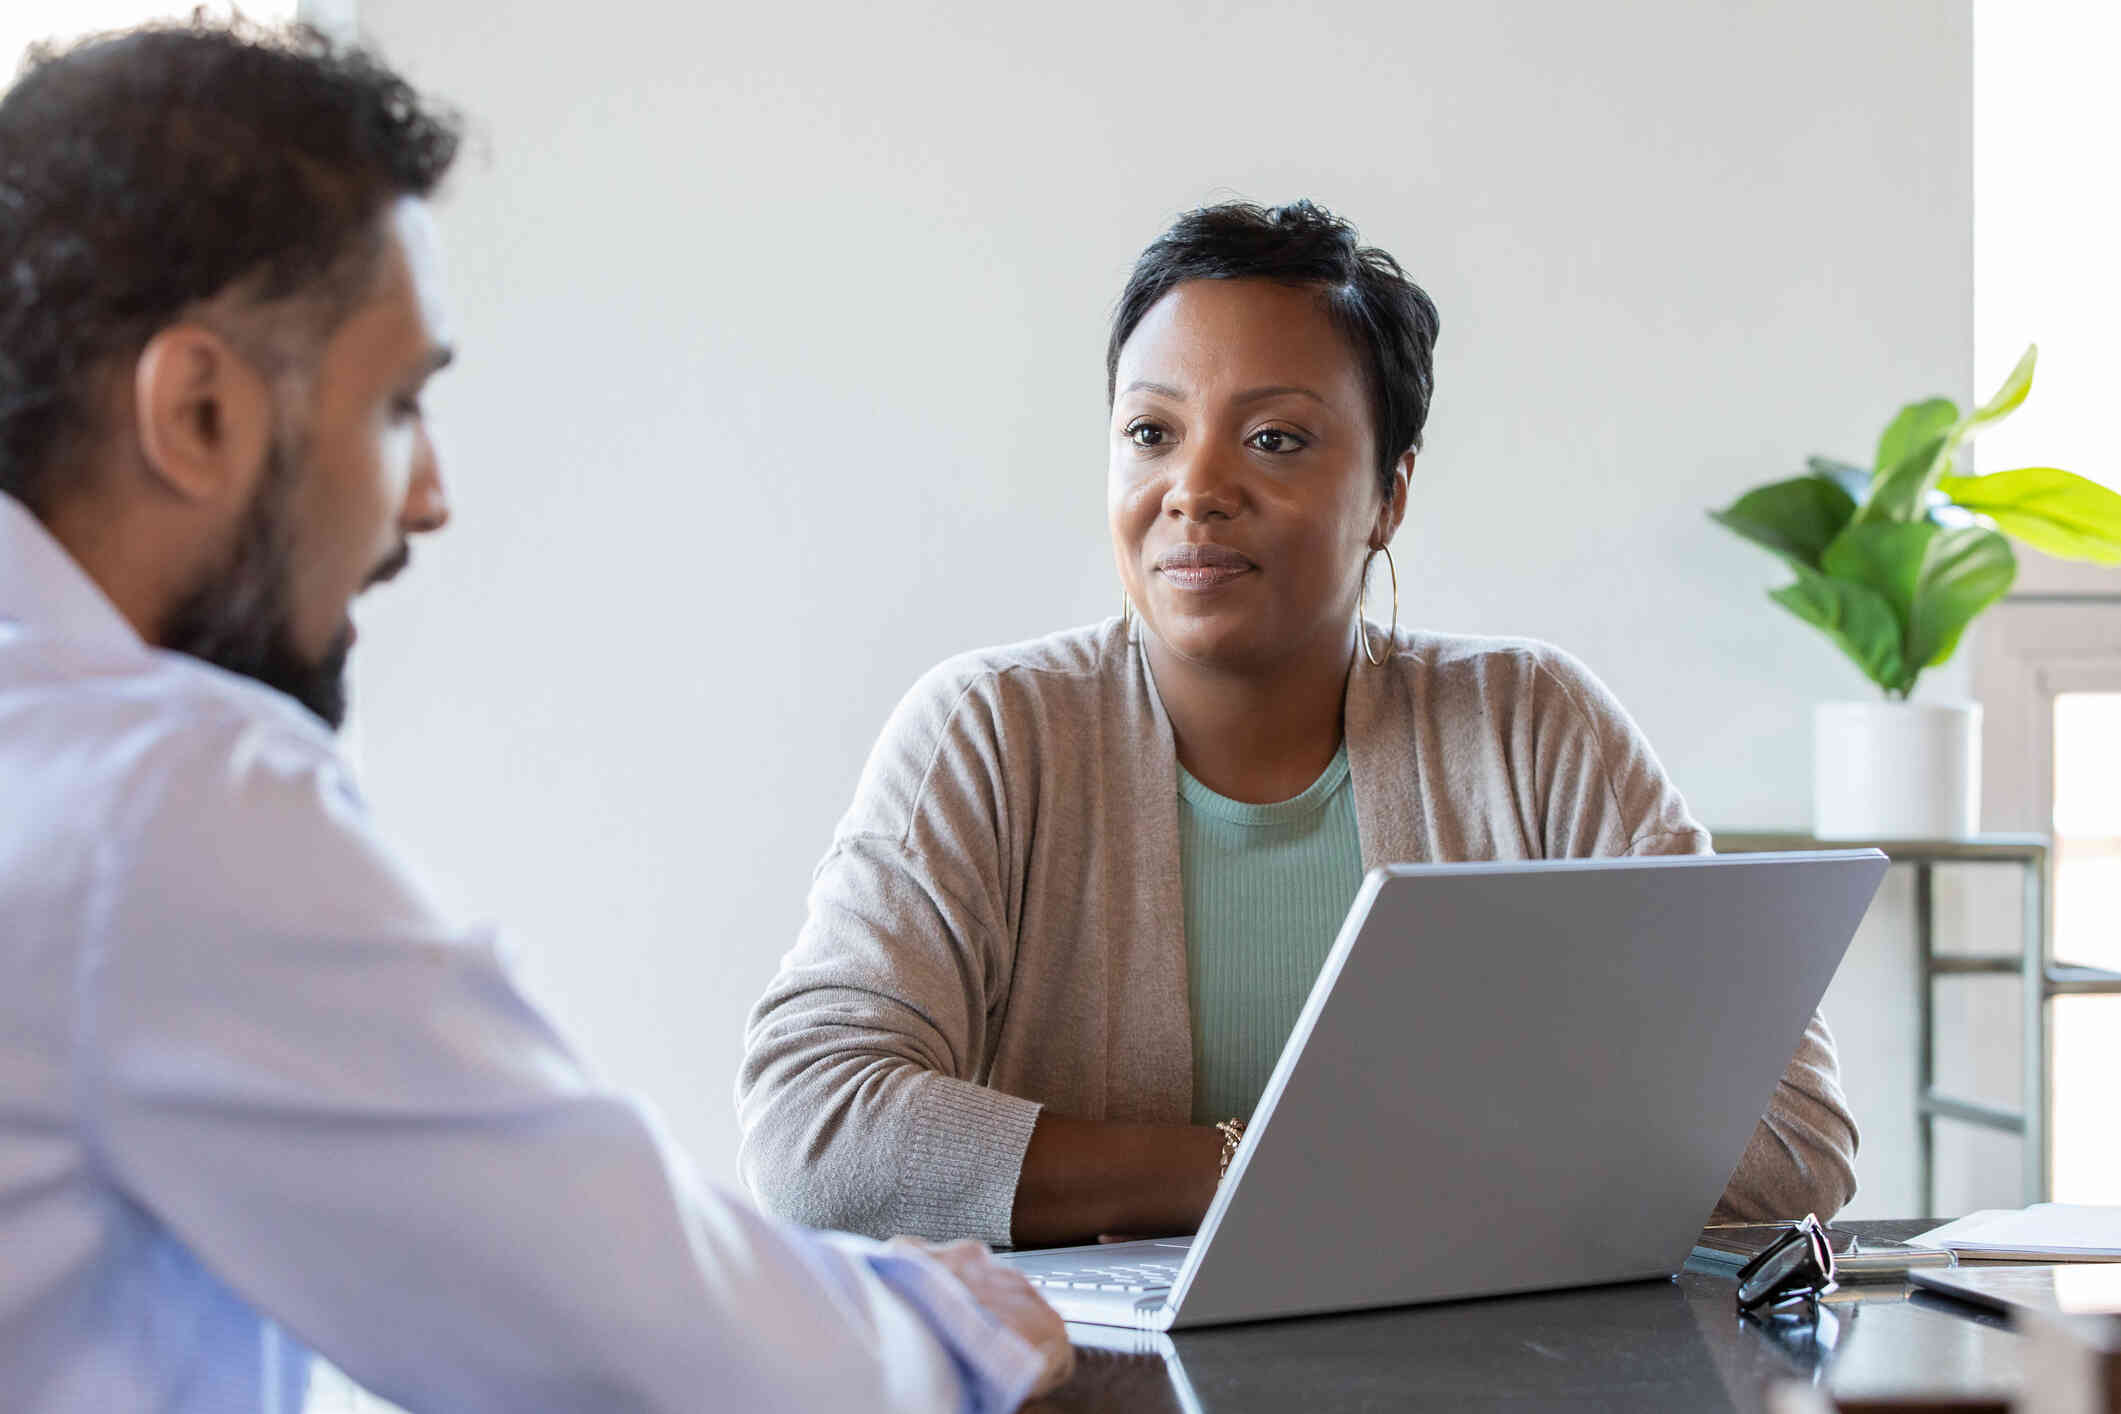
column 1202, row 565
column 1202, row 576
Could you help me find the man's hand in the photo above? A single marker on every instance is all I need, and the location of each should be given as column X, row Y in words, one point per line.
column 1011, row 1299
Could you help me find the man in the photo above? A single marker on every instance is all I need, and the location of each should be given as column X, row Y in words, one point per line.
column 257, row 1095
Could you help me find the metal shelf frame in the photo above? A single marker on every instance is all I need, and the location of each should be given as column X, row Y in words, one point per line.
column 2041, row 980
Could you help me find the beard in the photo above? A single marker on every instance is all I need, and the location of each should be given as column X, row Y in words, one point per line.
column 241, row 616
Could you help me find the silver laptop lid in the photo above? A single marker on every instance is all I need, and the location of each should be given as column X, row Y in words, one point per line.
column 1518, row 1076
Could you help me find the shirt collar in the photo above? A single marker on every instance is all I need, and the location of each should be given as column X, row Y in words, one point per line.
column 41, row 586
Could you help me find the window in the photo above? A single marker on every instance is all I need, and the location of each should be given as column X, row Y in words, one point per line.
column 2087, row 1029
column 2047, row 119
column 2048, row 661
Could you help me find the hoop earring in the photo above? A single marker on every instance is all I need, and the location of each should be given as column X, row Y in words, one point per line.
column 1362, row 599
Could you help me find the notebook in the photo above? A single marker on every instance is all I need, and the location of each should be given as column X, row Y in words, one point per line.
column 1730, row 1246
column 2045, row 1232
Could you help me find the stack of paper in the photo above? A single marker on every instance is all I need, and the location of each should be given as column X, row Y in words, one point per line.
column 2045, row 1232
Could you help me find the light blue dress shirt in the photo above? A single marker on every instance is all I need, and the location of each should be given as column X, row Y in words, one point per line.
column 258, row 1096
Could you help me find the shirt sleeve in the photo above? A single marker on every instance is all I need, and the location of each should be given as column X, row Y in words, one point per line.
column 1616, row 799
column 862, row 1094
column 348, row 1111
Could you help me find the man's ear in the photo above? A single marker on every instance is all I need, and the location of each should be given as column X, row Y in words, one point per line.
column 203, row 414
column 1394, row 510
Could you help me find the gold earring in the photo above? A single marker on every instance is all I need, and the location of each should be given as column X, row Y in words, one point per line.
column 1362, row 599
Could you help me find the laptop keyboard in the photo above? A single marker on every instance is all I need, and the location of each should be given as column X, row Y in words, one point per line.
column 1134, row 1278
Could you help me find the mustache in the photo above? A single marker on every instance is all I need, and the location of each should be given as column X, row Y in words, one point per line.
column 393, row 565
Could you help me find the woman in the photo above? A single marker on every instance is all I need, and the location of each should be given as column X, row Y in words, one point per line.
column 1086, row 882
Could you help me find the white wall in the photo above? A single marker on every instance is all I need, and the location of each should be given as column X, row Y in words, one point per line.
column 782, row 331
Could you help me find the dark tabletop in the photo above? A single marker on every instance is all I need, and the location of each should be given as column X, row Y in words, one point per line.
column 1667, row 1345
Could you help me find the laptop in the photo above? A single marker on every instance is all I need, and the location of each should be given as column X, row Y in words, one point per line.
column 1508, row 1077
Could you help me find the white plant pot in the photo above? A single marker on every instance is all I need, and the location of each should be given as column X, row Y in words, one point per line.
column 1896, row 770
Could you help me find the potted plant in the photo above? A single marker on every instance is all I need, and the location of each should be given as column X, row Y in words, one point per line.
column 1892, row 563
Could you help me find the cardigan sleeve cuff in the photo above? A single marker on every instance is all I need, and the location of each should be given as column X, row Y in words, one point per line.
column 961, row 1168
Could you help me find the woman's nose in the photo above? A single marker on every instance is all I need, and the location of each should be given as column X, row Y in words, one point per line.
column 1203, row 486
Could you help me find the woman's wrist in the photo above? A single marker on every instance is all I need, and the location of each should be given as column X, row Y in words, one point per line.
column 1081, row 1178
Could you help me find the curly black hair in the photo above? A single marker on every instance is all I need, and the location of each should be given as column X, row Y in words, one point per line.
column 144, row 172
column 1388, row 318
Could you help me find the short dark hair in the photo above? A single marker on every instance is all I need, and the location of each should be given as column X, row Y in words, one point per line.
column 144, row 172
column 1389, row 319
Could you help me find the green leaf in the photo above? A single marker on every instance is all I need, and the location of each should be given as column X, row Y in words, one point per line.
column 1917, row 425
column 1859, row 621
column 1855, row 480
column 1901, row 492
column 2048, row 508
column 1964, row 572
column 1797, row 519
column 2007, row 397
column 1884, row 555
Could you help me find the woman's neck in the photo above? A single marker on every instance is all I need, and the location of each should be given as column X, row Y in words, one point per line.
column 1255, row 736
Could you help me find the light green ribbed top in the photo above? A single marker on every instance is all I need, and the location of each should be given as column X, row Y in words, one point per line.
column 1266, row 889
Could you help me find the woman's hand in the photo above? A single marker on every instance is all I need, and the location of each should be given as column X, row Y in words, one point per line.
column 1084, row 1178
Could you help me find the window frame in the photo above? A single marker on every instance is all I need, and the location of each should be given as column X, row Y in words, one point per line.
column 2034, row 646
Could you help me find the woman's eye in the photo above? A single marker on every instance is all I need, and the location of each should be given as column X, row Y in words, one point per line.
column 1273, row 439
column 1146, row 434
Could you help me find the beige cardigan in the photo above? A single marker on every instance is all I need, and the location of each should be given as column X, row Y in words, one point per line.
column 998, row 925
